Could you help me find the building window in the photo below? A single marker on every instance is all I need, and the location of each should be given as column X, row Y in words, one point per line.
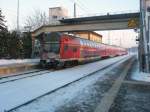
column 54, row 17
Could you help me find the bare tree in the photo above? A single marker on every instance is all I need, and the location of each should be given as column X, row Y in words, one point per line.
column 37, row 19
column 2, row 22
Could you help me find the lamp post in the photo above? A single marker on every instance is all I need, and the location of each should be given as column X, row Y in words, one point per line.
column 144, row 17
column 75, row 9
column 18, row 16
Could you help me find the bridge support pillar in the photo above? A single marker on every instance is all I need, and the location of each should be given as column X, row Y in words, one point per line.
column 144, row 44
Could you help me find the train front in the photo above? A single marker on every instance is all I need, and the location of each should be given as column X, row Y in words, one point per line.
column 50, row 49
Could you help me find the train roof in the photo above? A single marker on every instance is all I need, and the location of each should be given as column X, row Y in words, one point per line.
column 93, row 41
column 73, row 36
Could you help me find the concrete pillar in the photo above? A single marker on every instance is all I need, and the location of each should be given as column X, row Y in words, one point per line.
column 145, row 54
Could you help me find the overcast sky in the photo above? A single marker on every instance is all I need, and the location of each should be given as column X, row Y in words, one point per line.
column 84, row 7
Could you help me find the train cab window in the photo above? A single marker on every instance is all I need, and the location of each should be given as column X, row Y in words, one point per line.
column 54, row 47
column 47, row 37
column 46, row 48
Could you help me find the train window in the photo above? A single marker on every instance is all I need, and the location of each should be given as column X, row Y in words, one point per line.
column 46, row 48
column 66, row 47
column 47, row 37
column 74, row 49
column 81, row 42
column 84, row 42
column 97, row 45
column 54, row 47
column 87, row 43
column 92, row 44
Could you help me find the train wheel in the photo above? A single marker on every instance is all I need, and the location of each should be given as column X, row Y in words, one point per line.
column 43, row 64
column 67, row 64
column 75, row 63
column 58, row 65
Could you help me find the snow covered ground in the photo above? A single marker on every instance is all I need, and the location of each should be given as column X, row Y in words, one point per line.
column 50, row 103
column 4, row 62
column 140, row 76
column 18, row 92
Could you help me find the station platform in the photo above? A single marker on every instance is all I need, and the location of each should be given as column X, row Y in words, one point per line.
column 14, row 67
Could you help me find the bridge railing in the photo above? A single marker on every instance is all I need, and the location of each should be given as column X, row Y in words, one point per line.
column 104, row 14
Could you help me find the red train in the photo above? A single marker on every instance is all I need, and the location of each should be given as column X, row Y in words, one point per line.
column 59, row 49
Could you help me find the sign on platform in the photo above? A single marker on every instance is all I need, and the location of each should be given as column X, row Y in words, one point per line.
column 133, row 23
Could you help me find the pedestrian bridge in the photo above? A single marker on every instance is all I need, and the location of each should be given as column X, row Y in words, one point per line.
column 105, row 22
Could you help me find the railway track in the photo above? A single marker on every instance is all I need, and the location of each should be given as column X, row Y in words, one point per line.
column 16, row 77
column 75, row 81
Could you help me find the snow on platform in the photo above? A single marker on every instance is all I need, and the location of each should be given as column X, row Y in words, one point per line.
column 4, row 62
column 140, row 76
column 19, row 92
column 8, row 67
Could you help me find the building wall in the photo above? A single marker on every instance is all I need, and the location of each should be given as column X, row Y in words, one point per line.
column 90, row 36
column 57, row 13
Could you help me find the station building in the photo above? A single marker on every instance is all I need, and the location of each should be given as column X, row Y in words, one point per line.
column 90, row 35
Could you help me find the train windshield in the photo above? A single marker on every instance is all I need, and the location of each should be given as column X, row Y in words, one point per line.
column 52, row 42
